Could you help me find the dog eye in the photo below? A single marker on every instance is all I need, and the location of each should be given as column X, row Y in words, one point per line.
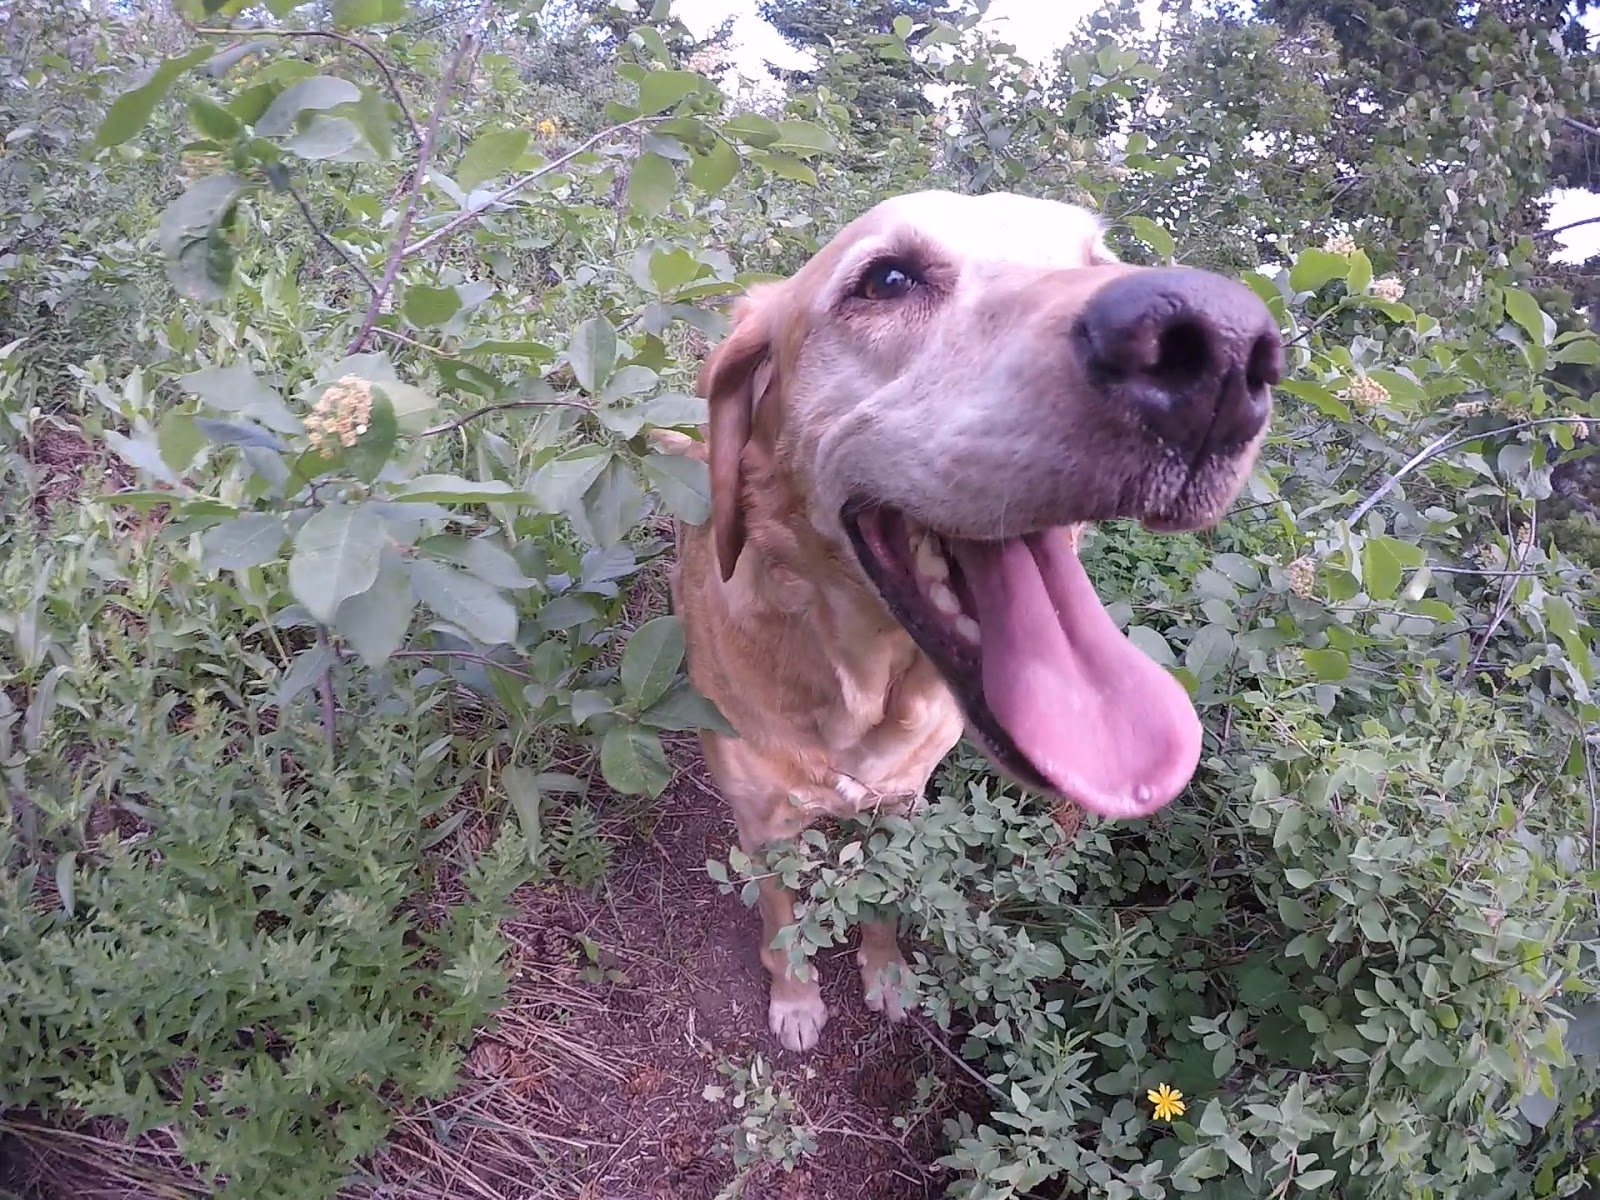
column 885, row 281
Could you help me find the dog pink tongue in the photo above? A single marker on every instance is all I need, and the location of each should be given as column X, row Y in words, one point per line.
column 1098, row 719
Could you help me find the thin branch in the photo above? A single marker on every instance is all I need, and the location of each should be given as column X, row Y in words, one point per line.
column 1543, row 234
column 330, row 711
column 1572, row 123
column 466, row 656
column 933, row 1036
column 419, row 176
column 459, row 222
column 354, row 43
column 1435, row 448
column 326, row 238
column 1503, row 603
column 449, row 426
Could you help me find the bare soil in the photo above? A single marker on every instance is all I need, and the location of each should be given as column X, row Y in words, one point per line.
column 665, row 985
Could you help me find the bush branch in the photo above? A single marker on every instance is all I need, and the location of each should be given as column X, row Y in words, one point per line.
column 355, row 44
column 1545, row 234
column 326, row 238
column 449, row 426
column 1439, row 445
column 459, row 222
column 419, row 176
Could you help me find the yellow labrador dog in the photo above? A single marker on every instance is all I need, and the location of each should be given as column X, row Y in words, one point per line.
column 904, row 440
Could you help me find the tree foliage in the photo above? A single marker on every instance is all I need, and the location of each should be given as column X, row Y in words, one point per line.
column 336, row 331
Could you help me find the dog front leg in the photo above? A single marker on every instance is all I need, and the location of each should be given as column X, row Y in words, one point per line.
column 795, row 1011
column 884, row 973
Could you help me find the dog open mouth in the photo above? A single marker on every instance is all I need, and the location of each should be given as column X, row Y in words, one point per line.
column 1061, row 699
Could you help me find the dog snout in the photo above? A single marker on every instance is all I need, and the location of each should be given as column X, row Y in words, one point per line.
column 1194, row 356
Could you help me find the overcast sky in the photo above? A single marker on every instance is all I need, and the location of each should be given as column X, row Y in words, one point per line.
column 1038, row 28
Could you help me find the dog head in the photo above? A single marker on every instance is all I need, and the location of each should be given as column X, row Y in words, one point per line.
column 948, row 390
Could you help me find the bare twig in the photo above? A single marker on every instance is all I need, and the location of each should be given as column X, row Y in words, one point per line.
column 1437, row 447
column 1559, row 229
column 1503, row 603
column 465, row 655
column 330, row 711
column 448, row 426
column 931, row 1033
column 459, row 222
column 354, row 43
column 419, row 176
column 1581, row 127
column 327, row 239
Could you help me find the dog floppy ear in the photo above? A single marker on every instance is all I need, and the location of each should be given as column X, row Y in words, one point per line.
column 732, row 381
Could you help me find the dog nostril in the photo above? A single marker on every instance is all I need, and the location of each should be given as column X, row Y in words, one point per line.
column 1265, row 366
column 1183, row 351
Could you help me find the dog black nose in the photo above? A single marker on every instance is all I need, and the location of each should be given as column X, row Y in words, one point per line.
column 1194, row 354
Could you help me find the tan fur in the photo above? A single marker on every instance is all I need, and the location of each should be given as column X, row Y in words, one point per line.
column 969, row 416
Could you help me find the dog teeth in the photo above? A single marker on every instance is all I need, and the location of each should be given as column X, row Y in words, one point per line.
column 930, row 563
column 944, row 600
column 968, row 628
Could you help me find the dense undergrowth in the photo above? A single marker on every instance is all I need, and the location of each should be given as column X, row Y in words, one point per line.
column 330, row 521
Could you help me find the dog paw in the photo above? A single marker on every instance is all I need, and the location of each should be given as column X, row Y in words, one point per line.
column 885, row 989
column 798, row 1020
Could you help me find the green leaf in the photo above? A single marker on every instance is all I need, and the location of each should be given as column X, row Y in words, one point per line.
column 129, row 111
column 683, row 483
column 1152, row 235
column 426, row 306
column 527, row 798
column 199, row 258
column 336, row 556
column 753, row 129
column 313, row 94
column 66, row 869
column 651, row 184
column 804, row 135
column 558, row 484
column 683, row 709
column 246, row 541
column 1380, row 568
column 593, row 353
column 452, row 489
column 1213, row 1120
column 1524, row 310
column 211, row 120
column 632, row 761
column 142, row 452
column 179, row 440
column 1314, row 268
column 466, row 601
column 238, row 389
column 1317, row 396
column 651, row 660
column 1360, row 272
column 1310, row 1181
column 356, row 14
column 1329, row 666
column 1584, row 352
column 715, row 169
column 375, row 621
column 331, row 139
column 673, row 269
column 491, row 155
column 661, row 90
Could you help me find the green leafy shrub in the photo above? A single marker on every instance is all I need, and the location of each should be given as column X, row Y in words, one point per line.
column 331, row 520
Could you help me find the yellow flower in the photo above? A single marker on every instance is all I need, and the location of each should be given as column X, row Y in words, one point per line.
column 1168, row 1102
column 546, row 128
